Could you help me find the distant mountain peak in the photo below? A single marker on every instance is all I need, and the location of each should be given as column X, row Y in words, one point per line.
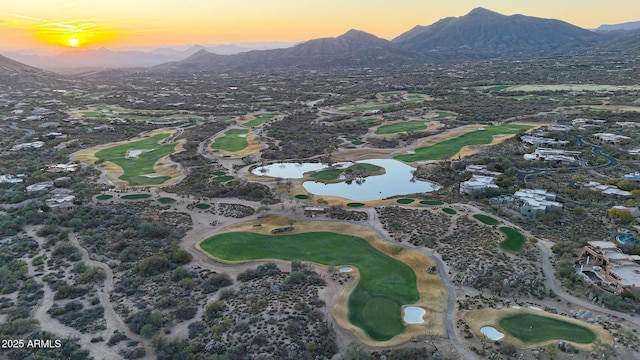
column 480, row 11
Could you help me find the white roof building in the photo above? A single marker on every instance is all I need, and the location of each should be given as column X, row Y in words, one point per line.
column 478, row 183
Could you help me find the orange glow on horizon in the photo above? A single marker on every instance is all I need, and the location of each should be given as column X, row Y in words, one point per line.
column 73, row 34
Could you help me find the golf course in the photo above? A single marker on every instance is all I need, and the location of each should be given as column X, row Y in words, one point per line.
column 449, row 148
column 137, row 162
column 526, row 327
column 386, row 281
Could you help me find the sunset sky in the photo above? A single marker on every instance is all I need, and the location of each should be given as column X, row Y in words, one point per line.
column 130, row 23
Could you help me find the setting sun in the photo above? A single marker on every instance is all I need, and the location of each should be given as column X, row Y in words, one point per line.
column 73, row 41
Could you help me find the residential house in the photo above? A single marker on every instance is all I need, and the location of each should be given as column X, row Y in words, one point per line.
column 616, row 270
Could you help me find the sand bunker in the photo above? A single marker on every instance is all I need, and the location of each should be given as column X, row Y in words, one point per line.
column 346, row 269
column 491, row 333
column 414, row 315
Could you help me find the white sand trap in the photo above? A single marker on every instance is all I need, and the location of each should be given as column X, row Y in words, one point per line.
column 515, row 307
column 152, row 176
column 491, row 333
column 535, row 308
column 346, row 269
column 133, row 154
column 242, row 135
column 413, row 315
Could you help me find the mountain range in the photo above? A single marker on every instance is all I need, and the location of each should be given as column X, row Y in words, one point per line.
column 479, row 35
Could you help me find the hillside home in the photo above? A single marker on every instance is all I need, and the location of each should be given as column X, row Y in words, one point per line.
column 618, row 271
column 555, row 156
column 535, row 202
column 632, row 176
column 478, row 183
column 612, row 139
column 537, row 141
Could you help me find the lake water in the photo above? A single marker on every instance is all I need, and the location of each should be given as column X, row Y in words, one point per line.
column 413, row 315
column 396, row 181
column 288, row 170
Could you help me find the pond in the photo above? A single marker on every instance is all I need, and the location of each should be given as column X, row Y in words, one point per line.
column 413, row 315
column 397, row 180
column 288, row 170
column 491, row 333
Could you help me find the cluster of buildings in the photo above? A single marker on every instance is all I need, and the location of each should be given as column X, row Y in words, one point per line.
column 11, row 179
column 555, row 156
column 612, row 139
column 531, row 203
column 606, row 189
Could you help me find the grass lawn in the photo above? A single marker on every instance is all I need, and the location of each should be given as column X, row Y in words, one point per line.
column 405, row 201
column 135, row 168
column 514, row 240
column 443, row 114
column 451, row 147
column 488, row 220
column 412, row 125
column 498, row 87
column 355, row 204
column 104, row 197
column 202, row 206
column 259, row 120
column 231, row 141
column 136, row 196
column 431, row 202
column 533, row 329
column 302, row 196
column 218, row 173
column 333, row 174
column 385, row 285
column 166, row 200
column 449, row 211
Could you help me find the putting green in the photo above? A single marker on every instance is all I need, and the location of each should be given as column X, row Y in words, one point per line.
column 375, row 305
column 233, row 140
column 138, row 158
column 530, row 328
column 259, row 120
column 412, row 125
column 488, row 220
column 514, row 240
column 450, row 147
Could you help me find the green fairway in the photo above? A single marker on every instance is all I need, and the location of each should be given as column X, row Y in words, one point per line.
column 533, row 329
column 231, row 141
column 104, row 197
column 259, row 120
column 138, row 170
column 488, row 220
column 355, row 204
column 385, row 285
column 202, row 206
column 450, row 147
column 449, row 211
column 443, row 114
column 302, row 196
column 431, row 202
column 412, row 125
column 334, row 174
column 514, row 240
column 166, row 200
column 136, row 196
column 405, row 201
